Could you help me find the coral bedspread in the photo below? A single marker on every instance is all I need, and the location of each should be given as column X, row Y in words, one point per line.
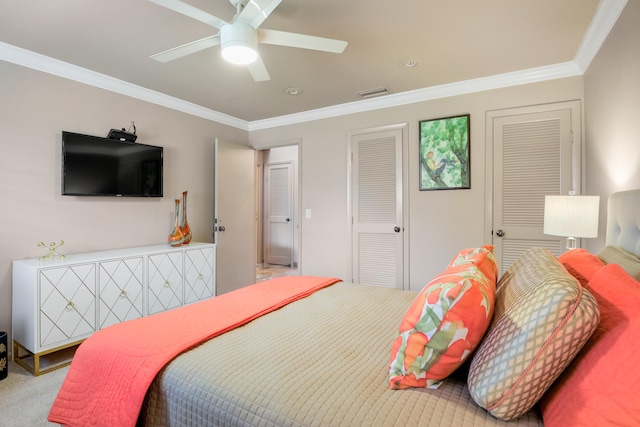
column 112, row 369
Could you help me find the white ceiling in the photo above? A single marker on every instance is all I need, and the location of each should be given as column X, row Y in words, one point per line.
column 466, row 41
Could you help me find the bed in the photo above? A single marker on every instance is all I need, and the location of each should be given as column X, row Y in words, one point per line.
column 323, row 359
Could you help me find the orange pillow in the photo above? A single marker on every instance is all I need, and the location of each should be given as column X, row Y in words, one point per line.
column 581, row 264
column 601, row 387
column 446, row 321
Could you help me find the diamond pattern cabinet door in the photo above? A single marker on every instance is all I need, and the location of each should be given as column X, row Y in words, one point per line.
column 67, row 304
column 199, row 274
column 120, row 294
column 165, row 281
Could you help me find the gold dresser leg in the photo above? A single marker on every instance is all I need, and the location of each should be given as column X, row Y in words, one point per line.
column 55, row 358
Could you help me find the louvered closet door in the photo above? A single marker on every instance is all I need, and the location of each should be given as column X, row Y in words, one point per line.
column 377, row 209
column 532, row 158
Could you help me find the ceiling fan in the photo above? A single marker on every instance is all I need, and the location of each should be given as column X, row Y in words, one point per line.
column 239, row 38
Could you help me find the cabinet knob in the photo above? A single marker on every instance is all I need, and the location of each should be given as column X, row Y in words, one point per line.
column 69, row 306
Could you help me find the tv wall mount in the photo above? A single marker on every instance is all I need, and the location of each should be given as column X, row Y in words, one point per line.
column 124, row 135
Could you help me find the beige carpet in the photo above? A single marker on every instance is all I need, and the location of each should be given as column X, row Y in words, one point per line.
column 25, row 400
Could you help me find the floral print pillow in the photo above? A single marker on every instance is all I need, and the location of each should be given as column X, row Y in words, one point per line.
column 446, row 321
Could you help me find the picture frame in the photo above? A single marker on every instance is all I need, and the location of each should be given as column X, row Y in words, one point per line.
column 445, row 153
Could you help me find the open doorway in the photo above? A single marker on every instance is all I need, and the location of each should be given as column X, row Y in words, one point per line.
column 277, row 206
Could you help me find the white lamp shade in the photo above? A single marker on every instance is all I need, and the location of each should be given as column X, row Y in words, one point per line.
column 571, row 216
column 239, row 43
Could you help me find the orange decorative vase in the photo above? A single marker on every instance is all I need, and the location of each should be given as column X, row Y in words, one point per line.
column 176, row 238
column 184, row 227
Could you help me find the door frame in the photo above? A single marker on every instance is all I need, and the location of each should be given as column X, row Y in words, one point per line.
column 405, row 194
column 577, row 150
column 297, row 232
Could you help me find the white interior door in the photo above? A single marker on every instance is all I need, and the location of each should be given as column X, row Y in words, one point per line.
column 234, row 222
column 279, row 214
column 533, row 155
column 377, row 208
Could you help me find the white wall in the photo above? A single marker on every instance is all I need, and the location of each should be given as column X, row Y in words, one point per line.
column 440, row 222
column 612, row 110
column 34, row 109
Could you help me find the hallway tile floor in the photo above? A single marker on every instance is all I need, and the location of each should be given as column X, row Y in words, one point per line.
column 270, row 271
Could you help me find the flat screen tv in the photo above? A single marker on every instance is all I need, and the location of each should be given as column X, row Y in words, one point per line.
column 95, row 166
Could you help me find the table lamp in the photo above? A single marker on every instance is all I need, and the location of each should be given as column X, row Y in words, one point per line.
column 571, row 217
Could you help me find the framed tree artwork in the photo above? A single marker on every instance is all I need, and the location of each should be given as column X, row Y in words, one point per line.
column 445, row 153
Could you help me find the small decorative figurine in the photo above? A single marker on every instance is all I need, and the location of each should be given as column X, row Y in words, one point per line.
column 53, row 246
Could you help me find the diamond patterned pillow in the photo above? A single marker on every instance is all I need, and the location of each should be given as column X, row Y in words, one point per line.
column 446, row 321
column 542, row 319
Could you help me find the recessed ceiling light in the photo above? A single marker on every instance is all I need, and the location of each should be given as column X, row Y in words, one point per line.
column 293, row 91
column 410, row 63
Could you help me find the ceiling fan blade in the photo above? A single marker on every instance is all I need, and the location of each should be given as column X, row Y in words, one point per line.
column 190, row 11
column 259, row 71
column 187, row 49
column 256, row 11
column 302, row 41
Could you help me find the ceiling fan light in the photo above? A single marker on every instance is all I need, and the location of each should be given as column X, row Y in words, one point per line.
column 239, row 54
column 239, row 43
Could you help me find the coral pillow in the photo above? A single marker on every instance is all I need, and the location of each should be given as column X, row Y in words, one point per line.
column 446, row 321
column 581, row 264
column 602, row 385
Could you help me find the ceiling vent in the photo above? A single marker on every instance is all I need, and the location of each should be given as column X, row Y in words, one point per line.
column 370, row 93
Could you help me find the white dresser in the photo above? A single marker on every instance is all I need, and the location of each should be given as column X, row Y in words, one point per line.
column 57, row 303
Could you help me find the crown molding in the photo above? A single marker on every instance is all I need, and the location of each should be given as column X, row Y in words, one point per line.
column 605, row 18
column 603, row 21
column 46, row 64
column 532, row 75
